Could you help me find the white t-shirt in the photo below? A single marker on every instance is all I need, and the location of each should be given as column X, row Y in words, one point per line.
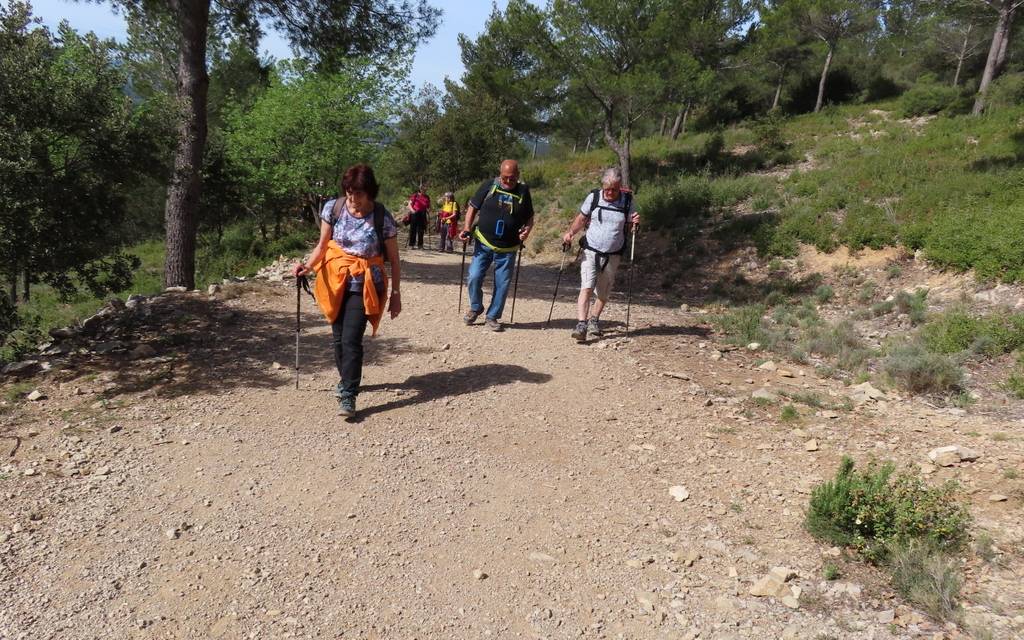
column 607, row 230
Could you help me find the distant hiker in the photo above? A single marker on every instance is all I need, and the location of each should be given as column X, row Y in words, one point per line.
column 356, row 234
column 449, row 216
column 506, row 218
column 419, row 206
column 607, row 214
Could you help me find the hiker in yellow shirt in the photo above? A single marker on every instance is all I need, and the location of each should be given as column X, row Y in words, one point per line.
column 449, row 218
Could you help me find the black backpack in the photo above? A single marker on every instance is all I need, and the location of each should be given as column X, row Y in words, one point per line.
column 595, row 199
column 378, row 221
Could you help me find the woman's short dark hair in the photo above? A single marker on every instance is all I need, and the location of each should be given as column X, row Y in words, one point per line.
column 359, row 177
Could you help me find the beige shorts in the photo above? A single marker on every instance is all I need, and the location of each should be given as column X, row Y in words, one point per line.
column 593, row 278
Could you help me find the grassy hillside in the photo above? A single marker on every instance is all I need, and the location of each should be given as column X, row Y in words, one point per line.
column 863, row 177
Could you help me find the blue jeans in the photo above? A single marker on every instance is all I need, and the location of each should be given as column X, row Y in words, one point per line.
column 504, row 265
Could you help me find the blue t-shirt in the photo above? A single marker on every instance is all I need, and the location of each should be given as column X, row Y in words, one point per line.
column 358, row 238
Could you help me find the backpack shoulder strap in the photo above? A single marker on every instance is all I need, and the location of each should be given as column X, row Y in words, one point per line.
column 336, row 208
column 378, row 226
column 595, row 199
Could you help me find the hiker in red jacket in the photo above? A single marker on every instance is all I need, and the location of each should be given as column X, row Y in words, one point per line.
column 419, row 204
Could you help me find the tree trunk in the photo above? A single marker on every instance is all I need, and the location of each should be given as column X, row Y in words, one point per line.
column 621, row 149
column 180, row 214
column 1004, row 45
column 574, row 143
column 664, row 125
column 26, row 283
column 778, row 89
column 963, row 54
column 13, row 285
column 590, row 141
column 824, row 78
column 677, row 123
column 536, row 141
column 991, row 63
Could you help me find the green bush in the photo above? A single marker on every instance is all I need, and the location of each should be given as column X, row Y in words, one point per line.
column 1007, row 91
column 957, row 330
column 987, row 238
column 867, row 226
column 873, row 509
column 927, row 98
column 928, row 577
column 667, row 205
column 824, row 293
column 913, row 304
column 918, row 370
column 743, row 325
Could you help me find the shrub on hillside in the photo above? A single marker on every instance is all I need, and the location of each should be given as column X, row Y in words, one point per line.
column 917, row 370
column 1007, row 91
column 927, row 577
column 873, row 509
column 990, row 240
column 665, row 205
column 867, row 226
column 957, row 330
column 926, row 98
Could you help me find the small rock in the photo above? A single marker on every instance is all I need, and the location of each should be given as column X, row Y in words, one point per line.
column 716, row 355
column 31, row 471
column 785, row 373
column 791, row 602
column 811, row 445
column 277, row 366
column 114, row 429
column 754, row 346
column 213, row 289
column 36, row 395
column 691, row 556
column 479, row 575
column 997, row 497
column 887, row 616
column 101, row 471
column 142, row 352
column 172, row 534
column 950, row 455
column 768, row 365
column 764, row 394
column 23, row 369
column 446, row 346
column 679, row 492
column 175, row 289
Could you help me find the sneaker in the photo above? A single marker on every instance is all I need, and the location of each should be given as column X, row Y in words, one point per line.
column 470, row 317
column 594, row 327
column 579, row 334
column 493, row 324
column 347, row 406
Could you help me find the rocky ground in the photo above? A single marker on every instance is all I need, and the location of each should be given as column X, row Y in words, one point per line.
column 170, row 481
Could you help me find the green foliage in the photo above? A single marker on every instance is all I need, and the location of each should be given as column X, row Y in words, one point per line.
column 743, row 324
column 918, row 370
column 927, row 576
column 913, row 304
column 875, row 508
column 789, row 414
column 1006, row 91
column 823, row 294
column 958, row 330
column 831, row 572
column 926, row 98
column 72, row 146
column 301, row 134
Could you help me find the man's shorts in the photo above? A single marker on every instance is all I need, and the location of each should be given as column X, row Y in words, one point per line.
column 593, row 278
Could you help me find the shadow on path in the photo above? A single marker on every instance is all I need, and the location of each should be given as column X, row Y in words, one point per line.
column 441, row 384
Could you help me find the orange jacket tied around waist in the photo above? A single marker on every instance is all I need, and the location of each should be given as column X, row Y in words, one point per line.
column 332, row 273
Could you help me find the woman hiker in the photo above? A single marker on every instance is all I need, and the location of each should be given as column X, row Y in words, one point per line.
column 356, row 235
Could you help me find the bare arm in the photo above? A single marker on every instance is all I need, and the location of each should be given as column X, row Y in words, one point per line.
column 301, row 269
column 575, row 227
column 467, row 224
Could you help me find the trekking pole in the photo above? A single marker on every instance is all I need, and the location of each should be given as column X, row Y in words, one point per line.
column 629, row 280
column 565, row 252
column 462, row 273
column 298, row 325
column 515, row 287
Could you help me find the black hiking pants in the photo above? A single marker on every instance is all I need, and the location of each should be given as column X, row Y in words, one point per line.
column 348, row 332
column 417, row 225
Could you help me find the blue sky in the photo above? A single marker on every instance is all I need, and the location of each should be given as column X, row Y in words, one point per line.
column 434, row 60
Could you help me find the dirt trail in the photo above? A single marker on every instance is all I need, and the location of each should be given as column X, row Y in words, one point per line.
column 509, row 485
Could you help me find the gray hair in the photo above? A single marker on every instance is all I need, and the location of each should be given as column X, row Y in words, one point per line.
column 611, row 175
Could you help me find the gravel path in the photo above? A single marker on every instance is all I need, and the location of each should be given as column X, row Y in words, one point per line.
column 506, row 485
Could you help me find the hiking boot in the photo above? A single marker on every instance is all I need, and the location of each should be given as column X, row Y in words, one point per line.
column 594, row 327
column 579, row 334
column 347, row 406
column 493, row 324
column 470, row 317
